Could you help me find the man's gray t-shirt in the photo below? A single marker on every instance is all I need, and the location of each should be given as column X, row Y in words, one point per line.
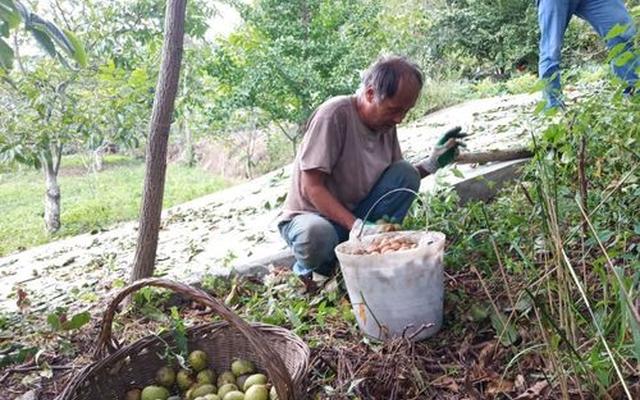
column 339, row 144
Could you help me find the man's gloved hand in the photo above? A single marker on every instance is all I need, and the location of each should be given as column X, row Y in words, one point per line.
column 444, row 152
column 369, row 228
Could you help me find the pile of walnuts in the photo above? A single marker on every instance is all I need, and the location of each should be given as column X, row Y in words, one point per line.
column 386, row 245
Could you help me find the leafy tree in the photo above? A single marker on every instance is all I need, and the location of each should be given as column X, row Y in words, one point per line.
column 492, row 34
column 34, row 135
column 42, row 120
column 69, row 110
column 289, row 56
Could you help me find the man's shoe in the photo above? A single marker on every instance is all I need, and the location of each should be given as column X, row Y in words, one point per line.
column 310, row 286
column 629, row 92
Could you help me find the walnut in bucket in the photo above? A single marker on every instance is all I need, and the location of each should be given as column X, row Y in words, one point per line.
column 386, row 245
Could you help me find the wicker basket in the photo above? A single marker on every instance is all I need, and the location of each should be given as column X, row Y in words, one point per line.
column 279, row 353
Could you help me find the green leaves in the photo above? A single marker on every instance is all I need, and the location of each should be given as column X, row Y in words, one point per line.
column 77, row 49
column 9, row 15
column 6, row 55
column 179, row 332
column 48, row 35
column 44, row 41
column 9, row 19
column 505, row 331
column 59, row 322
column 617, row 30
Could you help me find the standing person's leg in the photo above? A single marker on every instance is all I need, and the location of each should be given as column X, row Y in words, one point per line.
column 312, row 239
column 400, row 174
column 553, row 18
column 603, row 15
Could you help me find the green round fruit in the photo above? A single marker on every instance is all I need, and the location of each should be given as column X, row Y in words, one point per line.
column 242, row 367
column 185, row 379
column 235, row 395
column 202, row 390
column 198, row 360
column 224, row 389
column 174, row 398
column 256, row 392
column 212, row 396
column 255, row 379
column 154, row 393
column 206, row 376
column 166, row 377
column 273, row 395
column 133, row 394
column 226, row 377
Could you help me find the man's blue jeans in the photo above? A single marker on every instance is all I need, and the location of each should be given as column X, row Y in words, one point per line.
column 313, row 237
column 553, row 18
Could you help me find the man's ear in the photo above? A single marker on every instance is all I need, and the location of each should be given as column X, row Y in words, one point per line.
column 370, row 94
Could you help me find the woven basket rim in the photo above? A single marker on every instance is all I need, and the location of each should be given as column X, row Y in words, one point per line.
column 298, row 376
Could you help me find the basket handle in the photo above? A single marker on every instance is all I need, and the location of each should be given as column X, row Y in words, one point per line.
column 271, row 360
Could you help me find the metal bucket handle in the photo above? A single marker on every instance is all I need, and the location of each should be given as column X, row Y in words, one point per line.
column 413, row 192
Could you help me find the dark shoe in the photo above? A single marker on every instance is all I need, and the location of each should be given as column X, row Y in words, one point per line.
column 629, row 92
column 310, row 286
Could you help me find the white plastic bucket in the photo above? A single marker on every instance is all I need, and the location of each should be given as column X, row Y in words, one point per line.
column 397, row 293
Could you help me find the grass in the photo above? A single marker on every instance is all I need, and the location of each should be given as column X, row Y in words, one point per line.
column 90, row 201
column 567, row 277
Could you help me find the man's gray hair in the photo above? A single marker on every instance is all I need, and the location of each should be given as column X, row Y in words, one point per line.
column 384, row 75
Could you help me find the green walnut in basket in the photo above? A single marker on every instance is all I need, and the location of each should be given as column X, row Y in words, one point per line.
column 224, row 389
column 166, row 377
column 256, row 392
column 198, row 360
column 235, row 395
column 242, row 367
column 226, row 377
column 206, row 376
column 201, row 391
column 154, row 393
column 185, row 379
column 255, row 379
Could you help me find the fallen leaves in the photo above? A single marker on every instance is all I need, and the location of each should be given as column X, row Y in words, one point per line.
column 534, row 391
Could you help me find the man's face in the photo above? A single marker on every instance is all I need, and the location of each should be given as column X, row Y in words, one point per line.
column 385, row 114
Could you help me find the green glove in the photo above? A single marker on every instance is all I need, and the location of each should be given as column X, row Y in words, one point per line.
column 445, row 151
column 450, row 154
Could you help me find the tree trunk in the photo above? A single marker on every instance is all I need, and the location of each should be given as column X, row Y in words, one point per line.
column 156, row 161
column 50, row 160
column 98, row 158
column 51, row 196
column 189, row 152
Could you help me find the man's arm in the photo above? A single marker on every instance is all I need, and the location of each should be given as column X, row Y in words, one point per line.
column 314, row 188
